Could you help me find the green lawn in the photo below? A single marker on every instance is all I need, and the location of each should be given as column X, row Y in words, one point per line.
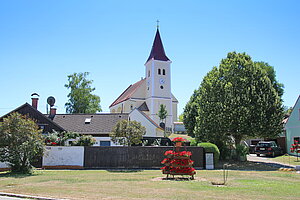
column 287, row 159
column 101, row 184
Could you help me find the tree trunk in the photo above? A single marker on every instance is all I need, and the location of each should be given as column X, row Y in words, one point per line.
column 237, row 140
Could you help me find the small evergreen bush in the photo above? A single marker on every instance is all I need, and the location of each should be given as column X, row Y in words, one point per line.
column 85, row 140
column 193, row 142
column 211, row 148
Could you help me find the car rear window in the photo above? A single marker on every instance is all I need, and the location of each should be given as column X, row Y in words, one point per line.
column 264, row 144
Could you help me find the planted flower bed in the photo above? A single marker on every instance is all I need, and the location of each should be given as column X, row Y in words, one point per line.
column 178, row 162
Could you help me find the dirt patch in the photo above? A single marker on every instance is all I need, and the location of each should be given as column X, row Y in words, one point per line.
column 248, row 165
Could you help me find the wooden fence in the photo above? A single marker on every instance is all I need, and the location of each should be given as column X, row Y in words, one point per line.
column 146, row 157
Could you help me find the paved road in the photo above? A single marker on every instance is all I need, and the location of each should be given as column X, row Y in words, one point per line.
column 10, row 198
column 254, row 158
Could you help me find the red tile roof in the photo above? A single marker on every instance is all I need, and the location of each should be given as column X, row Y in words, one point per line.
column 157, row 51
column 127, row 94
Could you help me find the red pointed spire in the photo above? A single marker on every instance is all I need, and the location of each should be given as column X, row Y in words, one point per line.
column 157, row 51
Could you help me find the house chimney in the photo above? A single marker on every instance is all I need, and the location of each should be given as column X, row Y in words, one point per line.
column 52, row 111
column 35, row 99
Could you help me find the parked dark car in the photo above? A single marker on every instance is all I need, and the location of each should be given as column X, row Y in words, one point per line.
column 268, row 148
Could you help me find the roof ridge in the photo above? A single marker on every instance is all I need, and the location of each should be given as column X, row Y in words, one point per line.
column 41, row 114
column 120, row 99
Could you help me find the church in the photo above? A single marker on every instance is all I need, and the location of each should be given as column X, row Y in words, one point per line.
column 142, row 99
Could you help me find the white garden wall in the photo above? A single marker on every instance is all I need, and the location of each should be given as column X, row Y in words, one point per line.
column 3, row 166
column 64, row 157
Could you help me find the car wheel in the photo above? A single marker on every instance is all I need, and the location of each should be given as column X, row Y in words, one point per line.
column 258, row 154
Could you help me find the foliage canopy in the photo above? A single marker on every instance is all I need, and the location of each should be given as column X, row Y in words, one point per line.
column 21, row 142
column 162, row 112
column 234, row 101
column 127, row 132
column 81, row 99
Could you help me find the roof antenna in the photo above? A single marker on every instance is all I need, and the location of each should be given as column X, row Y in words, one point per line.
column 157, row 24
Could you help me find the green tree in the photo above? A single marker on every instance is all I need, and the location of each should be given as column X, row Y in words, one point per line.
column 236, row 100
column 85, row 140
column 190, row 113
column 128, row 133
column 162, row 112
column 180, row 118
column 279, row 87
column 287, row 111
column 21, row 142
column 81, row 99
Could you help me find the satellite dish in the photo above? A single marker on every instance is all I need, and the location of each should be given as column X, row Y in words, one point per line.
column 51, row 101
column 35, row 94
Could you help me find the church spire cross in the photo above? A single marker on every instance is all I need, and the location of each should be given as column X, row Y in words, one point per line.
column 157, row 24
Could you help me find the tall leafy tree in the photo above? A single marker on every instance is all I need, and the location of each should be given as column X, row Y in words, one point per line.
column 81, row 99
column 21, row 142
column 235, row 101
column 190, row 113
column 127, row 132
column 279, row 87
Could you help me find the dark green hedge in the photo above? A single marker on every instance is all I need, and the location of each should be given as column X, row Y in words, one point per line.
column 211, row 148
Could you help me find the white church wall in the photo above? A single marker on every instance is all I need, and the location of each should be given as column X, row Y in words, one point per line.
column 3, row 166
column 174, row 110
column 150, row 128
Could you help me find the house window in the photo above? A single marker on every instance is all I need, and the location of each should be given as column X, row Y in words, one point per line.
column 297, row 139
column 159, row 72
column 164, row 72
column 105, row 143
column 131, row 107
column 88, row 120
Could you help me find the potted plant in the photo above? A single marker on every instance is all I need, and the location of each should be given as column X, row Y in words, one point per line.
column 178, row 141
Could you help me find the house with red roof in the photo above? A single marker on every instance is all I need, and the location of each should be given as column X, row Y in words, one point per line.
column 142, row 99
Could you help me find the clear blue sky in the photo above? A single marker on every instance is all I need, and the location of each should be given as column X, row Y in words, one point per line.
column 42, row 42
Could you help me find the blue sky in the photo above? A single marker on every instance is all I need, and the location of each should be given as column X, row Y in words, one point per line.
column 42, row 42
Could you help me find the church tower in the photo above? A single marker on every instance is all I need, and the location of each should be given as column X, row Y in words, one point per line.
column 158, row 82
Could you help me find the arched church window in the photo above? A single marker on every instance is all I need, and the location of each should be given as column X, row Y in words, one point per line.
column 164, row 72
column 159, row 72
column 149, row 73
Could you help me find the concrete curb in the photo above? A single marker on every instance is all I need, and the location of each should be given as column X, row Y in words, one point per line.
column 27, row 196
